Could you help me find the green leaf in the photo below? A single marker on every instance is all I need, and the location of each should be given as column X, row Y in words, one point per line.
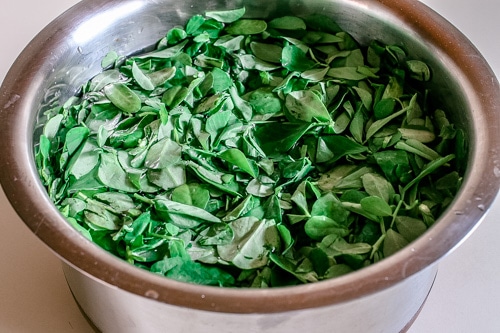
column 275, row 138
column 337, row 270
column 419, row 70
column 237, row 158
column 429, row 168
column 347, row 73
column 191, row 194
column 264, row 101
column 356, row 126
column 253, row 241
column 305, row 105
column 288, row 266
column 333, row 147
column 384, row 108
column 142, row 80
column 267, row 52
column 226, row 16
column 393, row 242
column 230, row 43
column 161, row 76
column 318, row 227
column 167, row 178
column 103, row 79
column 328, row 205
column 286, row 237
column 395, row 164
column 320, row 37
column 216, row 179
column 176, row 35
column 162, row 154
column 410, row 228
column 243, row 107
column 376, row 185
column 123, row 97
column 166, row 53
column 137, row 228
column 74, row 139
column 242, row 208
column 335, row 246
column 300, row 198
column 216, row 123
column 194, row 23
column 99, row 218
column 260, row 189
column 247, row 27
column 376, row 206
column 182, row 215
column 112, row 175
column 394, row 89
column 222, row 81
column 118, row 202
column 288, row 23
column 249, row 62
column 109, row 59
column 329, row 179
column 381, row 123
column 294, row 59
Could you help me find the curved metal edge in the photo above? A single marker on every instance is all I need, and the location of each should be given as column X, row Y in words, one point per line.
column 88, row 258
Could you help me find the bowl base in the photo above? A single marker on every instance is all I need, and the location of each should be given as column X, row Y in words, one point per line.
column 70, row 279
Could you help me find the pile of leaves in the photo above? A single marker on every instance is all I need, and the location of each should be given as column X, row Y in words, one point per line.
column 253, row 153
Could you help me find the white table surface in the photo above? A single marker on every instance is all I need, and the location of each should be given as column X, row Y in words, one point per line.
column 34, row 296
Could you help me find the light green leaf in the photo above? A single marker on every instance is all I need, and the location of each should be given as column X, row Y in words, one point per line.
column 111, row 174
column 142, row 80
column 378, row 186
column 253, row 240
column 247, row 27
column 123, row 97
column 237, row 158
column 305, row 105
column 226, row 16
column 162, row 154
column 376, row 206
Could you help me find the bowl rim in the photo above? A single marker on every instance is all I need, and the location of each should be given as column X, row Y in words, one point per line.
column 24, row 190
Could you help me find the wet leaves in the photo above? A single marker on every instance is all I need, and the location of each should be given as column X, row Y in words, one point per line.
column 253, row 153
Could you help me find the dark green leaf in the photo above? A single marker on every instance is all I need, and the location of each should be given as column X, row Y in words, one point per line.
column 410, row 228
column 294, row 59
column 393, row 242
column 267, row 52
column 275, row 138
column 264, row 101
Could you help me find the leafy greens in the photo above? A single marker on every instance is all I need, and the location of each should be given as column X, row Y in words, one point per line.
column 253, row 153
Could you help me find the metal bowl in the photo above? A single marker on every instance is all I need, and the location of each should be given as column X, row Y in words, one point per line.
column 118, row 297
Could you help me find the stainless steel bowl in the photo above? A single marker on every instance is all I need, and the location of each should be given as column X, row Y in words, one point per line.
column 118, row 297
